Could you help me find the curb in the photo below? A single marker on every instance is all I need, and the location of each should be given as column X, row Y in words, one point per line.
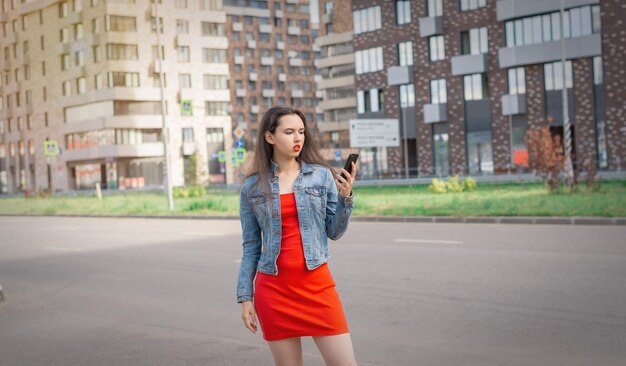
column 610, row 221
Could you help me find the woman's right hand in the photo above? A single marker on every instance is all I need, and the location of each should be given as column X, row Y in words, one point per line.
column 248, row 315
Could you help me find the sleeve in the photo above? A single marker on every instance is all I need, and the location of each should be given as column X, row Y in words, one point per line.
column 251, row 234
column 338, row 209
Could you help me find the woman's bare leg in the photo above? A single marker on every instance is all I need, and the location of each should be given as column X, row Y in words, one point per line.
column 287, row 352
column 337, row 350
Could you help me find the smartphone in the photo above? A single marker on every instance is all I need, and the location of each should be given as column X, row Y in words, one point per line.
column 352, row 158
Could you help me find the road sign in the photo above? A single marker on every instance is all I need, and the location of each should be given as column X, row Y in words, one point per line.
column 374, row 133
column 239, row 132
column 337, row 155
column 221, row 156
column 240, row 153
column 51, row 148
column 185, row 108
column 240, row 143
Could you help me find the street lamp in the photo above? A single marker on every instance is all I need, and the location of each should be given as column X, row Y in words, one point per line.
column 567, row 134
column 164, row 129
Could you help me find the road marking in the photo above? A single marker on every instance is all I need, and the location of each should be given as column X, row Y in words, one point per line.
column 63, row 249
column 428, row 241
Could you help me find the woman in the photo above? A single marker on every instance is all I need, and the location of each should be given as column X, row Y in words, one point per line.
column 290, row 203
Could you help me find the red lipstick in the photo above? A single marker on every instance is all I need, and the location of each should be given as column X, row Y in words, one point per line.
column 296, row 148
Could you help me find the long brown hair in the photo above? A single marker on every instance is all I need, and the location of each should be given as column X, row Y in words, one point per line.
column 264, row 151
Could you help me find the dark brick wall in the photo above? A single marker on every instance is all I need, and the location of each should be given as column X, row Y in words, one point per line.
column 614, row 64
column 584, row 124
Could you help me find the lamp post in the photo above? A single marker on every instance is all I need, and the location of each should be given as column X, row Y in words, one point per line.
column 164, row 129
column 567, row 134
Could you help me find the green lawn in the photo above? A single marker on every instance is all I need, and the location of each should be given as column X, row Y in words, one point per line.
column 488, row 200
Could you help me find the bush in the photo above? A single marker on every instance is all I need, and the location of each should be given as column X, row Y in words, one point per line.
column 186, row 192
column 453, row 185
column 438, row 186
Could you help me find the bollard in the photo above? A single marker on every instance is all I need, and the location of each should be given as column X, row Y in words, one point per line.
column 98, row 192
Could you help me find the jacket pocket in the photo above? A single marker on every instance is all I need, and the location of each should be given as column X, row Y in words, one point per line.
column 316, row 196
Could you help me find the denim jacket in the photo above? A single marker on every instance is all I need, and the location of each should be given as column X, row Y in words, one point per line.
column 322, row 213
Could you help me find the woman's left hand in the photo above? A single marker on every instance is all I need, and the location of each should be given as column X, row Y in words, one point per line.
column 344, row 181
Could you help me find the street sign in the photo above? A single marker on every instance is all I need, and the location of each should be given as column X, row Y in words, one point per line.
column 51, row 148
column 337, row 155
column 240, row 153
column 221, row 156
column 239, row 132
column 240, row 143
column 374, row 133
column 185, row 108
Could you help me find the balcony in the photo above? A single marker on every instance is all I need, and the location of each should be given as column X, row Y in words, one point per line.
column 115, row 151
column 399, row 75
column 237, row 27
column 268, row 93
column 513, row 104
column 282, row 77
column 434, row 113
column 280, row 45
column 267, row 61
column 240, row 92
column 295, row 31
column 251, row 44
column 297, row 93
column 253, row 76
column 239, row 60
column 431, row 26
column 265, row 28
column 254, row 109
column 189, row 148
column 469, row 64
column 579, row 47
column 295, row 62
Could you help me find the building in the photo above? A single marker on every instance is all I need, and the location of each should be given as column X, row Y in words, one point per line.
column 85, row 74
column 468, row 78
column 337, row 78
column 271, row 63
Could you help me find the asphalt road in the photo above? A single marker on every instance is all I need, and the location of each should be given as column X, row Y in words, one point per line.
column 101, row 291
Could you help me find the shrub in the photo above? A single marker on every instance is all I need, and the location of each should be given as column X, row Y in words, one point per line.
column 193, row 191
column 545, row 155
column 453, row 185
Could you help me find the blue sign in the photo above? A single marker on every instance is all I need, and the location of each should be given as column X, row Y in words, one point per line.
column 337, row 154
column 239, row 143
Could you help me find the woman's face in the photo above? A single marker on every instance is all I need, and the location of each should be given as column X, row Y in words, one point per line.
column 288, row 138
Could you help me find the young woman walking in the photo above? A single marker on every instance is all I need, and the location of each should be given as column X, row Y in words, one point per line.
column 289, row 205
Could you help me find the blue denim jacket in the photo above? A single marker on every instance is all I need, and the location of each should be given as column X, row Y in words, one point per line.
column 322, row 213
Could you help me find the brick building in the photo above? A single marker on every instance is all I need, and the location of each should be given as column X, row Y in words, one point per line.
column 468, row 78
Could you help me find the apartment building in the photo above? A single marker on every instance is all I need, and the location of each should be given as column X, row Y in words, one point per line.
column 271, row 63
column 337, row 78
column 82, row 79
column 466, row 79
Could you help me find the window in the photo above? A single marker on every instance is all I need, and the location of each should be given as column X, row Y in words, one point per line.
column 213, row 29
column 65, row 35
column 98, row 81
column 95, row 26
column 369, row 100
column 472, row 4
column 369, row 60
column 581, row 21
column 211, row 55
column 517, row 81
column 475, row 86
column 155, row 51
column 29, row 97
column 435, row 8
column 182, row 26
column 474, row 41
column 366, row 20
column 97, row 54
column 339, row 92
column 64, row 9
column 405, row 53
column 407, row 95
column 188, row 135
column 553, row 75
column 124, row 79
column 436, row 48
column 216, row 109
column 65, row 61
column 118, row 51
column 81, row 85
column 184, row 81
column 403, row 12
column 438, row 93
column 183, row 54
column 153, row 24
column 26, row 72
column 78, row 31
column 117, row 23
column 441, row 159
column 215, row 82
column 66, row 88
column 210, row 4
column 598, row 77
column 79, row 57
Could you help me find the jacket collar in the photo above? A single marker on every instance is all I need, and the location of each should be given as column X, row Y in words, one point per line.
column 304, row 167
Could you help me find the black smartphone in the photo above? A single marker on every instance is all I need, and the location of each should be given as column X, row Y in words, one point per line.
column 352, row 158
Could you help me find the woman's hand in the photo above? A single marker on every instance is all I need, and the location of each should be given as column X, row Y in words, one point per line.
column 344, row 185
column 248, row 315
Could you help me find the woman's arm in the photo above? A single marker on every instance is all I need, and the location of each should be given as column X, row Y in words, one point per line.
column 338, row 208
column 251, row 234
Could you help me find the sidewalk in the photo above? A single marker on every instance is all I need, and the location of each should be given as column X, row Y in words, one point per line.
column 424, row 219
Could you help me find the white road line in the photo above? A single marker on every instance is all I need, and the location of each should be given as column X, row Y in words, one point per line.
column 428, row 241
column 63, row 249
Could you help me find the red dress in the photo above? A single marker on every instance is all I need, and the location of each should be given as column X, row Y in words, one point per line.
column 297, row 302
